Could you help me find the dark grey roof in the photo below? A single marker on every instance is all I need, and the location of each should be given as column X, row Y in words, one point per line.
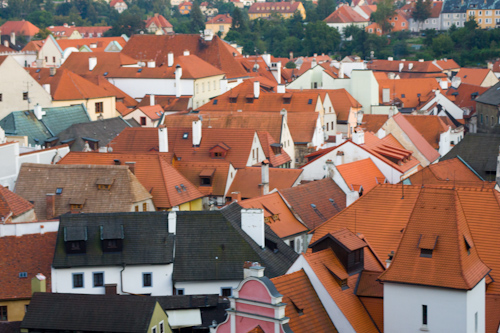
column 146, row 240
column 454, row 6
column 102, row 131
column 480, row 152
column 276, row 263
column 91, row 313
column 457, row 6
column 490, row 96
column 177, row 302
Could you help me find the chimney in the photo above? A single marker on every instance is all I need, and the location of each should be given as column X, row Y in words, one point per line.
column 52, row 71
column 92, row 63
column 443, row 84
column 330, row 169
column 256, row 89
column 13, row 38
column 50, row 208
column 152, row 100
column 252, row 269
column 389, row 260
column 162, row 139
column 110, row 289
column 131, row 166
column 196, row 133
column 252, row 222
column 265, row 176
column 151, row 64
column 235, row 196
column 401, row 65
column 178, row 75
column 208, row 35
column 281, row 89
column 186, row 52
column 390, row 58
column 170, row 59
column 172, row 222
column 37, row 110
column 490, row 65
column 276, row 70
column 456, row 81
column 39, row 284
column 339, row 159
column 498, row 168
column 341, row 71
column 392, row 111
column 291, row 55
column 47, row 87
column 358, row 137
column 313, row 63
column 267, row 59
column 6, row 43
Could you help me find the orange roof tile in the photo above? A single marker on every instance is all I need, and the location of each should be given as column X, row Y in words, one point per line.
column 429, row 126
column 474, row 76
column 277, row 214
column 34, row 45
column 269, row 7
column 407, row 91
column 447, row 64
column 11, row 203
column 154, row 172
column 78, row 62
column 304, row 308
column 159, row 20
column 373, row 122
column 89, row 32
column 169, row 103
column 393, row 66
column 275, row 159
column 492, row 311
column 465, row 95
column 100, row 43
column 153, row 112
column 32, row 254
column 192, row 171
column 345, row 14
column 220, row 19
column 369, row 285
column 247, row 181
column 23, row 27
column 113, row 90
column 362, row 172
column 454, row 262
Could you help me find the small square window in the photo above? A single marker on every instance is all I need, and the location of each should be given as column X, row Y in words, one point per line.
column 226, row 292
column 147, row 279
column 179, row 291
column 59, row 190
column 426, row 253
column 99, row 279
column 23, row 274
column 78, row 280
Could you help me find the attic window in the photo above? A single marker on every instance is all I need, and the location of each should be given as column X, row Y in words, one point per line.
column 403, row 95
column 104, row 183
column 183, row 187
column 206, row 176
column 139, row 70
column 23, row 274
column 178, row 189
column 310, row 101
column 38, row 70
column 75, row 239
column 112, row 236
column 467, row 246
column 273, row 246
column 185, row 135
column 59, row 191
column 76, row 204
column 215, row 102
column 300, row 311
column 233, row 99
column 341, row 282
column 426, row 253
column 105, row 73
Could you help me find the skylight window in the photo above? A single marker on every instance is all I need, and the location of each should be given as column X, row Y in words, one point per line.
column 215, row 102
column 59, row 190
column 310, row 101
column 23, row 274
column 185, row 135
column 139, row 70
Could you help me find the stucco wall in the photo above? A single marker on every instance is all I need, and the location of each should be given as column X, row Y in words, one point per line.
column 108, row 104
column 206, row 287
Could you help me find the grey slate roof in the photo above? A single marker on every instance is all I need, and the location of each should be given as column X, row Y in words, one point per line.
column 90, row 313
column 490, row 96
column 456, row 6
column 479, row 151
column 55, row 120
column 146, row 240
column 101, row 130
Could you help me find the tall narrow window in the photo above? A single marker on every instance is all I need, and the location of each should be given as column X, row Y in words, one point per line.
column 475, row 322
column 424, row 315
column 147, row 279
column 98, row 107
column 3, row 313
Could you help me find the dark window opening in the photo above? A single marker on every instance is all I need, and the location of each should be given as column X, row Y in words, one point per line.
column 426, row 253
column 292, row 244
column 271, row 245
column 77, row 280
column 3, row 313
column 206, row 181
column 357, row 256
column 75, row 247
column 25, row 96
column 98, row 107
column 147, row 280
column 424, row 314
column 143, row 121
column 310, row 101
column 59, row 191
column 179, row 291
column 226, row 292
column 98, row 279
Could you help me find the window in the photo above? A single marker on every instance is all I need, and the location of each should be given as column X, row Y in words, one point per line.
column 98, row 107
column 480, row 20
column 147, row 279
column 145, row 207
column 99, row 279
column 203, row 87
column 136, row 208
column 26, row 306
column 403, row 24
column 23, row 274
column 226, row 292
column 424, row 315
column 143, row 121
column 488, row 21
column 426, row 253
column 206, row 181
column 25, row 96
column 153, row 329
column 475, row 322
column 162, row 327
column 59, row 190
column 480, row 13
column 357, row 257
column 179, row 291
column 54, row 60
column 3, row 313
column 292, row 244
column 1, row 97
column 487, row 13
column 77, row 280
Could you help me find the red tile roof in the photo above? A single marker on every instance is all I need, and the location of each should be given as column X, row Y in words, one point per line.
column 429, row 126
column 219, row 169
column 159, row 20
column 393, row 66
column 345, row 14
column 373, row 122
column 100, row 43
column 220, row 19
column 436, row 9
column 247, row 181
column 275, row 160
column 34, row 45
column 32, row 254
column 455, row 262
column 304, row 308
column 474, row 76
column 465, row 95
column 113, row 90
column 361, row 173
column 169, row 103
column 284, row 223
column 215, row 52
column 154, row 172
column 23, row 27
column 447, row 64
column 78, row 62
column 153, row 112
column 407, row 91
column 319, row 193
column 11, row 203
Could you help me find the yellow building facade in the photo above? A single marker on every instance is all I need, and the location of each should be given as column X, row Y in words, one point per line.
column 485, row 18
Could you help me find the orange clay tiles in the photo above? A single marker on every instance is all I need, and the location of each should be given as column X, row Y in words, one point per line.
column 409, row 92
column 474, row 76
column 345, row 14
column 304, row 307
column 426, row 67
column 12, row 205
column 361, row 173
column 277, row 214
column 23, row 27
column 273, row 151
column 100, row 43
column 78, row 62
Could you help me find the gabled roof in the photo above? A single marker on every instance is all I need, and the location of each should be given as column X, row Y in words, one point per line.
column 54, row 121
column 454, row 261
column 429, row 126
column 23, row 27
column 393, row 66
column 215, row 52
column 159, row 20
column 12, row 205
column 328, row 200
column 56, row 311
column 304, row 308
column 220, row 19
column 248, row 180
column 474, row 76
column 465, row 95
column 34, row 45
column 154, row 172
column 361, row 173
column 146, row 240
column 79, row 184
column 100, row 43
column 345, row 14
column 373, row 122
column 275, row 160
column 78, row 62
column 410, row 92
column 102, row 131
column 490, row 96
column 169, row 103
column 32, row 254
column 279, row 217
column 219, row 170
column 153, row 112
column 121, row 98
column 436, row 9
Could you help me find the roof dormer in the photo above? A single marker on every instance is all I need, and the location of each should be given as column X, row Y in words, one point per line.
column 75, row 239
column 219, row 151
column 104, row 183
column 112, row 236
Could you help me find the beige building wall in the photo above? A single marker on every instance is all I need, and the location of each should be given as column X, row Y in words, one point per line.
column 205, row 89
column 15, row 309
column 223, row 28
column 108, row 103
column 137, row 114
column 16, row 83
column 50, row 53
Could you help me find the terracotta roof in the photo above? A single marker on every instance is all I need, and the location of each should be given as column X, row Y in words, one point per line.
column 153, row 112
column 159, row 20
column 220, row 19
column 269, row 7
column 454, row 261
column 304, row 308
column 113, row 90
column 79, row 186
column 89, row 32
column 345, row 14
column 220, row 170
column 465, row 95
column 78, row 62
column 277, row 214
column 248, row 180
column 66, row 85
column 34, row 45
column 361, row 173
column 474, row 76
column 416, row 138
column 275, row 160
column 215, row 52
column 11, row 203
column 369, row 285
column 492, row 311
column 447, row 63
column 30, row 254
column 23, row 27
column 429, row 126
column 328, row 200
column 154, row 172
column 407, row 91
column 100, row 43
column 436, row 9
column 373, row 122
column 393, row 66
column 61, row 31
column 169, row 103
column 112, row 3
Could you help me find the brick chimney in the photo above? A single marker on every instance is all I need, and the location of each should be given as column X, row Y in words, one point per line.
column 131, row 166
column 50, row 207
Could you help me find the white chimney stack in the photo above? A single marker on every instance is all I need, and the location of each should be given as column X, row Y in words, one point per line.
column 401, row 65
column 341, row 71
column 281, row 89
column 256, row 89
column 37, row 110
column 46, row 86
column 252, row 269
column 163, row 139
column 151, row 64
column 186, row 52
column 170, row 59
column 265, row 176
column 358, row 138
column 252, row 222
column 267, row 59
column 178, row 75
column 152, row 100
column 172, row 222
column 92, row 63
column 314, row 63
column 196, row 132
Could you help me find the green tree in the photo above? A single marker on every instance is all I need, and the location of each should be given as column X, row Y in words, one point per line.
column 442, row 45
column 41, row 18
column 385, row 10
column 239, row 22
column 422, row 11
column 471, row 24
column 92, row 14
column 290, row 65
column 320, row 38
column 128, row 23
column 325, row 8
column 197, row 19
column 42, row 34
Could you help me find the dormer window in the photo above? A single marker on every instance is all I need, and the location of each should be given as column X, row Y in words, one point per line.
column 468, row 245
column 276, row 147
column 206, row 176
column 233, row 98
column 76, row 204
column 427, row 243
column 112, row 238
column 75, row 239
column 219, row 151
column 104, row 183
column 249, row 98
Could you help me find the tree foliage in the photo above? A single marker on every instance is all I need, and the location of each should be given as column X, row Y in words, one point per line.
column 422, row 10
column 385, row 10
